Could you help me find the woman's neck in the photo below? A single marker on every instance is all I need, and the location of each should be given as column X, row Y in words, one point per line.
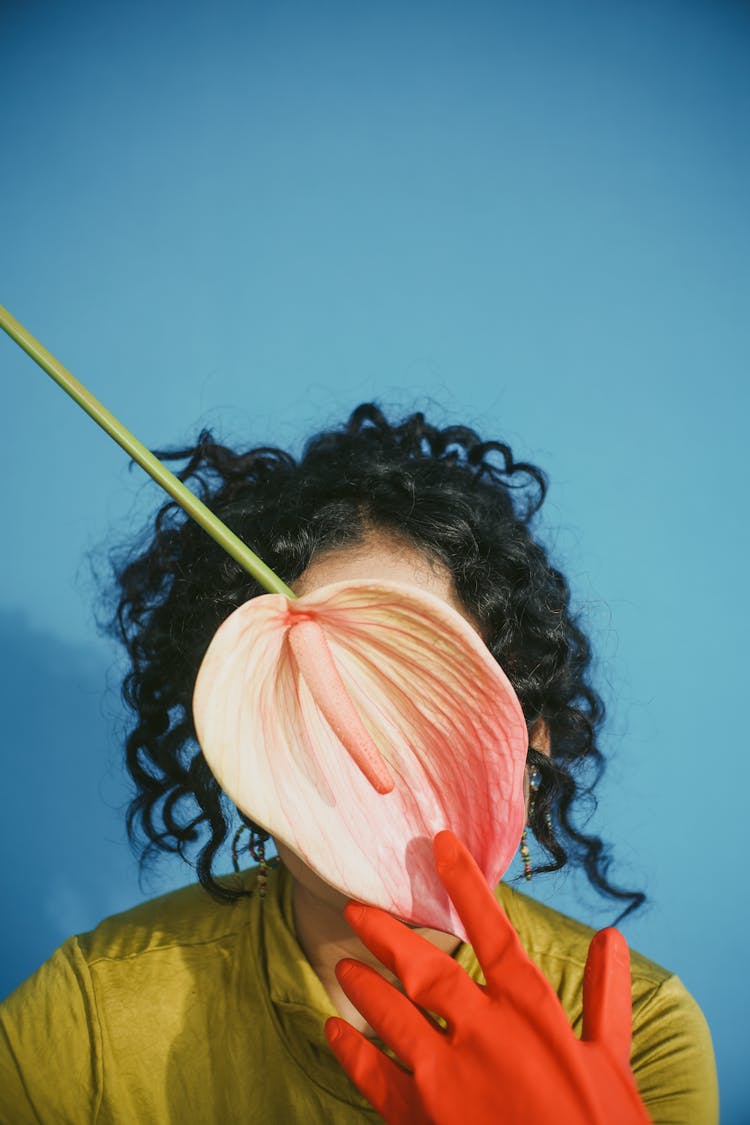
column 325, row 938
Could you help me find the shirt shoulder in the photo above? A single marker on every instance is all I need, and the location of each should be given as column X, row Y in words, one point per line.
column 106, row 1010
column 672, row 1054
column 189, row 916
column 50, row 1044
column 559, row 944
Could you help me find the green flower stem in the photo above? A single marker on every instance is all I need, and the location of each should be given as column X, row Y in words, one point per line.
column 195, row 508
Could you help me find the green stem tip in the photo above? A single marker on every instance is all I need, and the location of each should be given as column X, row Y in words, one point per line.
column 194, row 507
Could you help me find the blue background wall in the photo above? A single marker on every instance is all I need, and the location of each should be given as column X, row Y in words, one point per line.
column 533, row 218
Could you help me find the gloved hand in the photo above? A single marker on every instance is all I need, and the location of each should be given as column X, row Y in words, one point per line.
column 509, row 1055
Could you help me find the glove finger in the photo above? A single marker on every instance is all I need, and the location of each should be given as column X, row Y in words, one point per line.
column 388, row 1088
column 607, row 997
column 430, row 977
column 400, row 1025
column 504, row 962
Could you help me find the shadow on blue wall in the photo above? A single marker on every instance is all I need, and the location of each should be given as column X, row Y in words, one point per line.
column 63, row 869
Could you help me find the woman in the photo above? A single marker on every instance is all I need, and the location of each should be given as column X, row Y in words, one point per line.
column 211, row 1007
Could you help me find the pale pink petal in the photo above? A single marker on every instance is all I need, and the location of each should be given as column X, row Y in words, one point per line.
column 433, row 713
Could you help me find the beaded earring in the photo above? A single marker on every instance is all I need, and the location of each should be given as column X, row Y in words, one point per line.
column 535, row 780
column 257, row 848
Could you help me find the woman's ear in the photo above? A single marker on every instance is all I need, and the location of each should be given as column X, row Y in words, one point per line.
column 539, row 739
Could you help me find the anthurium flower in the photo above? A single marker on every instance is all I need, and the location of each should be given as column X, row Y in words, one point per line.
column 353, row 723
column 356, row 722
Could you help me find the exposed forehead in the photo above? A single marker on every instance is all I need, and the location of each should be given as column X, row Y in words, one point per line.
column 385, row 556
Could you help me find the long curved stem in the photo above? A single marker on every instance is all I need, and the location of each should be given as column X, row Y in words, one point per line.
column 195, row 508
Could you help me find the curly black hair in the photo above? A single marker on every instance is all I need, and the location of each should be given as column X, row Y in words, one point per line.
column 462, row 500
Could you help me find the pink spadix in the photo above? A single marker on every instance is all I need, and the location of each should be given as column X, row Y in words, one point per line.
column 315, row 661
column 356, row 722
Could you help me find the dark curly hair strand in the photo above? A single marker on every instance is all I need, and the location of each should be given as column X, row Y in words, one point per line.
column 463, row 501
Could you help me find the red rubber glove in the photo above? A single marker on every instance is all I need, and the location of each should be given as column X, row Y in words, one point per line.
column 509, row 1055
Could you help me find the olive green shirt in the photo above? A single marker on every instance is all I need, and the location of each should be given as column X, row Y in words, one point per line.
column 188, row 1011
